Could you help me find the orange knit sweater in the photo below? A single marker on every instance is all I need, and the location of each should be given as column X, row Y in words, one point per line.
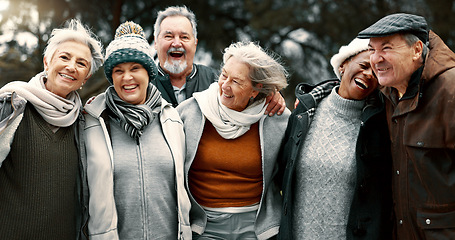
column 227, row 172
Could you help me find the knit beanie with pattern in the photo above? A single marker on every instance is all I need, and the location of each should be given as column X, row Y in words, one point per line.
column 129, row 45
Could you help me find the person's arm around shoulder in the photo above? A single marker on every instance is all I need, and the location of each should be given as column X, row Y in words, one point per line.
column 276, row 104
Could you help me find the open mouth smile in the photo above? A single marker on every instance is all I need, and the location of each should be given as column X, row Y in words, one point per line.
column 361, row 83
column 176, row 54
column 130, row 87
column 382, row 69
column 67, row 76
column 227, row 96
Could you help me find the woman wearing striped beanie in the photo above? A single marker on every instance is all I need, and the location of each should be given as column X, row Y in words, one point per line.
column 135, row 146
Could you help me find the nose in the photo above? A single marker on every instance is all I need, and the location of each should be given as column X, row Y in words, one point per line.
column 127, row 75
column 176, row 42
column 375, row 57
column 71, row 66
column 225, row 84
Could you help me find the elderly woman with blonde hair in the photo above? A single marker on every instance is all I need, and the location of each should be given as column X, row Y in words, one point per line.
column 232, row 148
column 42, row 174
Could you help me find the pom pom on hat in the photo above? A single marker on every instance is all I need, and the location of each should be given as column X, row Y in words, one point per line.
column 129, row 28
column 129, row 45
column 355, row 47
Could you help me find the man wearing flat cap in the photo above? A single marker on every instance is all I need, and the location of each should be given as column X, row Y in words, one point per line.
column 417, row 71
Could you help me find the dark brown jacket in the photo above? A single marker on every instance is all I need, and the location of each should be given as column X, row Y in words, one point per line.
column 422, row 131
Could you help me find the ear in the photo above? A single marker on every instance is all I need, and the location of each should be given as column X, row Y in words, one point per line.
column 88, row 76
column 196, row 41
column 418, row 50
column 45, row 64
column 256, row 92
column 341, row 69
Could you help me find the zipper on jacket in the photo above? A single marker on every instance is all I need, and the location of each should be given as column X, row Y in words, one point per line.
column 143, row 197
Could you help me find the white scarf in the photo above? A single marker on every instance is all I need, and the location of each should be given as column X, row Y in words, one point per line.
column 230, row 124
column 57, row 111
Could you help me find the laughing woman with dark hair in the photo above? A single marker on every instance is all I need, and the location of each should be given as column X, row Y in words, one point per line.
column 337, row 150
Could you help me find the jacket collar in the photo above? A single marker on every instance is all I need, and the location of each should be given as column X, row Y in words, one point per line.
column 374, row 104
column 410, row 99
column 438, row 60
column 310, row 95
column 96, row 105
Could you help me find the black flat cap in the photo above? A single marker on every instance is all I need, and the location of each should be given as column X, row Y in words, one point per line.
column 398, row 23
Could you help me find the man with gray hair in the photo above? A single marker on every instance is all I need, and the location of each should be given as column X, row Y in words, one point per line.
column 175, row 43
column 417, row 71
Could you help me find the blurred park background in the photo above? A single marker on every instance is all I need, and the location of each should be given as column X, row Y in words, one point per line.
column 305, row 33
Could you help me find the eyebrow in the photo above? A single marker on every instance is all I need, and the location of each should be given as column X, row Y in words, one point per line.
column 382, row 44
column 79, row 58
column 171, row 32
column 234, row 77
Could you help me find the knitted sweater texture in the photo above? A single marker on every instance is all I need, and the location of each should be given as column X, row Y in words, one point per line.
column 326, row 170
column 38, row 182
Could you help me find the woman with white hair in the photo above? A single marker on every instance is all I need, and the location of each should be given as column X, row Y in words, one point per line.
column 232, row 148
column 42, row 174
column 337, row 154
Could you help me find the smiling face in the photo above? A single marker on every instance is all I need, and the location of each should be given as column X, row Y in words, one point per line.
column 176, row 45
column 394, row 61
column 68, row 68
column 236, row 88
column 130, row 82
column 358, row 80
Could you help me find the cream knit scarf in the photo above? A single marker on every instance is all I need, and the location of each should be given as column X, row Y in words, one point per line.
column 57, row 111
column 230, row 124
